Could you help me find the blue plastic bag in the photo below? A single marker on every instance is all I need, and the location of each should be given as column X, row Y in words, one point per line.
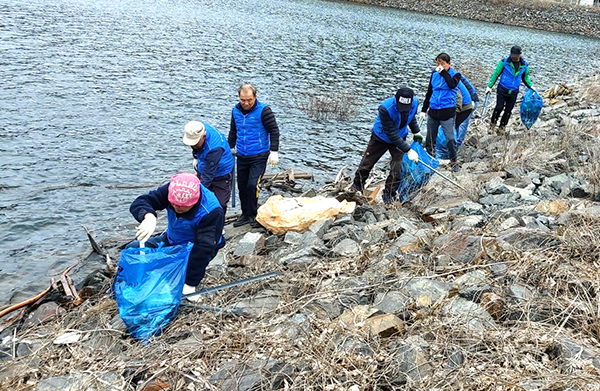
column 415, row 175
column 441, row 149
column 531, row 108
column 148, row 287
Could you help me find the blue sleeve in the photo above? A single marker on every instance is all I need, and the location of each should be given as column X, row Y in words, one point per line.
column 149, row 203
column 211, row 162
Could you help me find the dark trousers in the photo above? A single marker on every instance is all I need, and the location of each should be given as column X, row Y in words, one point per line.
column 375, row 150
column 250, row 170
column 221, row 187
column 432, row 132
column 506, row 101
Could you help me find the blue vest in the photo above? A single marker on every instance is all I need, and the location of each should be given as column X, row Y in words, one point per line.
column 466, row 96
column 252, row 137
column 181, row 230
column 390, row 106
column 214, row 139
column 442, row 97
column 509, row 79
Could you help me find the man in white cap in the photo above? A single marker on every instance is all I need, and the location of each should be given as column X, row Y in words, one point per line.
column 193, row 215
column 213, row 160
column 254, row 134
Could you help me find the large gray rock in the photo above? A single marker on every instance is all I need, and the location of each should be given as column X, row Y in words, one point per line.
column 107, row 381
column 409, row 365
column 251, row 375
column 469, row 314
column 347, row 248
column 425, row 291
column 250, row 244
column 571, row 354
column 262, row 303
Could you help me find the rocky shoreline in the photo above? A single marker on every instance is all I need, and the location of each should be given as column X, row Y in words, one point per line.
column 541, row 15
column 495, row 288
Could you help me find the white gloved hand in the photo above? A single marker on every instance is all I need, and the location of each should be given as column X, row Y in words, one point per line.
column 422, row 116
column 187, row 289
column 273, row 158
column 412, row 155
column 488, row 90
column 533, row 88
column 439, row 69
column 233, row 151
column 146, row 228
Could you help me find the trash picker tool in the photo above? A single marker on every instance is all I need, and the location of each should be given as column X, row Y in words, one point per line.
column 442, row 175
column 233, row 181
column 485, row 104
column 230, row 285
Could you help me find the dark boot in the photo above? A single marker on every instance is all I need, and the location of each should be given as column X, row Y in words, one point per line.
column 242, row 220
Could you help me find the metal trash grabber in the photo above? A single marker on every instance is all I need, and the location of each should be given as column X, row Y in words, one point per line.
column 485, row 105
column 442, row 175
column 230, row 284
column 235, row 311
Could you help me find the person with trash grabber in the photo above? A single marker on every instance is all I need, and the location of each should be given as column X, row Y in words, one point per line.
column 439, row 106
column 213, row 160
column 193, row 215
column 511, row 70
column 394, row 116
column 254, row 134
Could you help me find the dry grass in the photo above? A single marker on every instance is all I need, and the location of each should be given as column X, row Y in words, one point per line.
column 337, row 106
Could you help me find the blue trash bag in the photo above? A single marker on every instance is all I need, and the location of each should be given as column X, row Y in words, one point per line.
column 415, row 175
column 441, row 150
column 148, row 287
column 531, row 108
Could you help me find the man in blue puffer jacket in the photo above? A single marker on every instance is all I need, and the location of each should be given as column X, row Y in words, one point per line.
column 213, row 160
column 193, row 215
column 512, row 71
column 254, row 134
column 394, row 116
column 441, row 102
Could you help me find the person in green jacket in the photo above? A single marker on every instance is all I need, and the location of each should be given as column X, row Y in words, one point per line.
column 512, row 71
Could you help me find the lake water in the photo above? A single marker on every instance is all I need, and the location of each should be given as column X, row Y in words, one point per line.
column 95, row 95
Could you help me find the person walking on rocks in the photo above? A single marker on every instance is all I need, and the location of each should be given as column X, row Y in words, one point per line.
column 439, row 106
column 254, row 134
column 213, row 160
column 511, row 70
column 394, row 116
column 193, row 215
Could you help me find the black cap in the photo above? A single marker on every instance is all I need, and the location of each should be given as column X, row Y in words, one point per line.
column 515, row 51
column 404, row 98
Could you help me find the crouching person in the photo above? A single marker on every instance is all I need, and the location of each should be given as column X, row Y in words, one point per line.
column 193, row 215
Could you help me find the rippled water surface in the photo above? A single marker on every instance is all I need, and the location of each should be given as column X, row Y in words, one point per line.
column 95, row 94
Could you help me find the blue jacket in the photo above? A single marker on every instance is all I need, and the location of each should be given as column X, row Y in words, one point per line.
column 183, row 229
column 252, row 137
column 509, row 79
column 471, row 88
column 206, row 167
column 464, row 92
column 390, row 105
column 442, row 96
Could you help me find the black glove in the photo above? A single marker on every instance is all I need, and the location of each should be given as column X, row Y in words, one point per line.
column 418, row 138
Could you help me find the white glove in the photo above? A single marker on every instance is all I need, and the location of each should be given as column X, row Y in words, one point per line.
column 233, row 151
column 422, row 116
column 439, row 69
column 533, row 88
column 488, row 90
column 273, row 158
column 412, row 155
column 187, row 289
column 195, row 165
column 146, row 228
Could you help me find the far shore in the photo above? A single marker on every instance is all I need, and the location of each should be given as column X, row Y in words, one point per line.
column 535, row 14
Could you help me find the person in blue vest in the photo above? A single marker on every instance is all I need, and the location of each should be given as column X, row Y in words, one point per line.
column 463, row 124
column 254, row 134
column 464, row 108
column 213, row 160
column 440, row 106
column 512, row 71
column 193, row 215
column 394, row 116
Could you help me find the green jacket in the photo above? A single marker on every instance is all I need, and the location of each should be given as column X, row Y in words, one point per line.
column 516, row 70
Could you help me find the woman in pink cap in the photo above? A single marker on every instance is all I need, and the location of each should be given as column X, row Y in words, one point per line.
column 193, row 215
